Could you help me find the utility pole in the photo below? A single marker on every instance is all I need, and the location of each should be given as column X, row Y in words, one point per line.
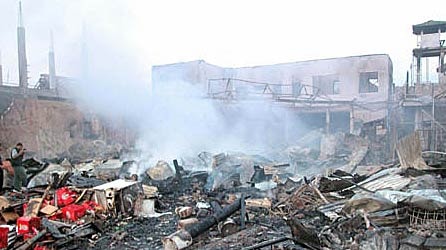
column 21, row 45
column 52, row 64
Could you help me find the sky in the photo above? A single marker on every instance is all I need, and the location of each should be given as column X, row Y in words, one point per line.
column 127, row 37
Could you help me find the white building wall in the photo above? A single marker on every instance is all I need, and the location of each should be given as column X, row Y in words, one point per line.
column 348, row 70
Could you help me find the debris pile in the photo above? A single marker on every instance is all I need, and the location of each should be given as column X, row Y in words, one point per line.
column 301, row 198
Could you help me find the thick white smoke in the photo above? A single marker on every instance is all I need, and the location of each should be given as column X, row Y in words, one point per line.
column 178, row 120
column 181, row 121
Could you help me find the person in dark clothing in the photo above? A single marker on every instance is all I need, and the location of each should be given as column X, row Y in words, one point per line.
column 1, row 170
column 1, row 149
column 17, row 154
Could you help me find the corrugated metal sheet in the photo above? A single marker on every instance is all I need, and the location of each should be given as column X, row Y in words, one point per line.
column 393, row 182
column 385, row 179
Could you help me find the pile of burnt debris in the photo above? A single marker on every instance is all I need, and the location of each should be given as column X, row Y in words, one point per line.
column 235, row 201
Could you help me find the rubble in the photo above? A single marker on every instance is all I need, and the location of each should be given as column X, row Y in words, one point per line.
column 160, row 171
column 231, row 201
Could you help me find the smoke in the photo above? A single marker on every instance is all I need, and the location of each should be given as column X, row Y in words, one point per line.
column 179, row 120
column 182, row 121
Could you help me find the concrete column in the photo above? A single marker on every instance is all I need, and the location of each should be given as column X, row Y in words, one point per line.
column 327, row 121
column 352, row 121
column 418, row 119
column 418, row 70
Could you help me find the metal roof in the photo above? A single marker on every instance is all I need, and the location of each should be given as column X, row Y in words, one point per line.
column 429, row 27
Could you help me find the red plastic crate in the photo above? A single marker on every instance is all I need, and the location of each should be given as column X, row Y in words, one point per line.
column 65, row 196
column 73, row 212
column 26, row 224
column 4, row 237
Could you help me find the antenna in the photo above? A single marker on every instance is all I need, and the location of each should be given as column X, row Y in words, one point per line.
column 51, row 48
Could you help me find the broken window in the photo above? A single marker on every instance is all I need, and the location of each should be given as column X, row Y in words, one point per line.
column 368, row 82
column 327, row 84
column 336, row 87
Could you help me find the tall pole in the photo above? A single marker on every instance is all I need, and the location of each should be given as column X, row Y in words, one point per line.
column 52, row 64
column 21, row 45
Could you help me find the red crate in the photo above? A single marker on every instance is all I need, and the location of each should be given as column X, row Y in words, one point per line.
column 4, row 237
column 73, row 212
column 65, row 196
column 27, row 224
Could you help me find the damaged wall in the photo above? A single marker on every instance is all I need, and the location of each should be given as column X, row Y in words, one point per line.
column 352, row 90
column 365, row 77
column 49, row 128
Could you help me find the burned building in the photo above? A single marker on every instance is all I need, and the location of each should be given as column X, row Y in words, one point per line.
column 422, row 99
column 337, row 94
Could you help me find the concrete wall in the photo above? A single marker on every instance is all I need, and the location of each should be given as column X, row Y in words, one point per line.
column 347, row 69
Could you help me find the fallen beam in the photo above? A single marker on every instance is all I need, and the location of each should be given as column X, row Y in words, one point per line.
column 28, row 244
column 208, row 222
column 183, row 238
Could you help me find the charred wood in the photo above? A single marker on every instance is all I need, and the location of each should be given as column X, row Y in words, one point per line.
column 303, row 235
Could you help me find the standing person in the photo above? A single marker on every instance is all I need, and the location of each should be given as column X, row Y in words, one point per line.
column 1, row 170
column 17, row 154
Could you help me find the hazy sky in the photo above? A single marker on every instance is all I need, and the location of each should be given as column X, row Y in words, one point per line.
column 132, row 35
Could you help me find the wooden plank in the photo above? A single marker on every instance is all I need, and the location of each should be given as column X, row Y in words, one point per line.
column 33, row 207
column 49, row 210
column 266, row 203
